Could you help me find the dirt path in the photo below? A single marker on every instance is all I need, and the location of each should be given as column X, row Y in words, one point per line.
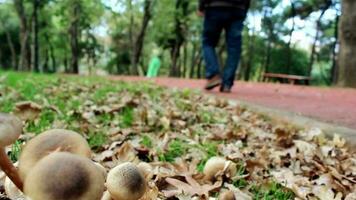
column 332, row 105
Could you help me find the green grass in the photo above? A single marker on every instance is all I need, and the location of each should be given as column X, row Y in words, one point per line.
column 176, row 149
column 210, row 149
column 44, row 122
column 15, row 151
column 127, row 117
column 97, row 140
column 273, row 191
column 146, row 141
column 240, row 183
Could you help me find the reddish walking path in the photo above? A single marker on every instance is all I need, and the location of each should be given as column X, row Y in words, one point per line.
column 334, row 105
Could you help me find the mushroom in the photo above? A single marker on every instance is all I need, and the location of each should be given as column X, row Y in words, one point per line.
column 10, row 130
column 101, row 168
column 126, row 182
column 216, row 165
column 56, row 140
column 227, row 195
column 146, row 170
column 64, row 176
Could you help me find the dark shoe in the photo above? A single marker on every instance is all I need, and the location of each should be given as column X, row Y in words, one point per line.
column 213, row 82
column 225, row 89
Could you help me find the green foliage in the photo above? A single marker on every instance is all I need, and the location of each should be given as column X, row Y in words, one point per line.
column 273, row 191
column 127, row 117
column 146, row 141
column 43, row 123
column 97, row 140
column 240, row 183
column 176, row 148
column 15, row 151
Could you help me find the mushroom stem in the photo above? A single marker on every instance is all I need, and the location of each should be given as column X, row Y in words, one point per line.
column 9, row 169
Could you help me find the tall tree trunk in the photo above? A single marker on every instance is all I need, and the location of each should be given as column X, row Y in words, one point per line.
column 347, row 58
column 24, row 63
column 251, row 49
column 133, row 69
column 12, row 49
column 317, row 35
column 289, row 48
column 74, row 32
column 334, row 71
column 200, row 71
column 193, row 62
column 35, row 44
column 51, row 54
column 45, row 67
column 185, row 59
column 270, row 27
column 138, row 45
column 181, row 13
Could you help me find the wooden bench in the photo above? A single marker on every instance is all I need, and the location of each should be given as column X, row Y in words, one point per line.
column 286, row 78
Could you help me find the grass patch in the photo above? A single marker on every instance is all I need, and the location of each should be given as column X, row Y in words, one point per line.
column 146, row 141
column 211, row 150
column 273, row 191
column 15, row 151
column 127, row 117
column 176, row 149
column 97, row 140
column 43, row 123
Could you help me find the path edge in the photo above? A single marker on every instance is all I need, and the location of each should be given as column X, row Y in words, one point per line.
column 301, row 121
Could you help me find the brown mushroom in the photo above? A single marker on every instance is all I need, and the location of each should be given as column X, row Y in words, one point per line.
column 216, row 165
column 227, row 195
column 64, row 176
column 56, row 140
column 10, row 130
column 126, row 182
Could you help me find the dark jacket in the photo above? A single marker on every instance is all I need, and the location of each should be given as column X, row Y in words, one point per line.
column 239, row 4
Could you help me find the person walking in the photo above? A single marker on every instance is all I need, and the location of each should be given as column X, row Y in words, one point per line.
column 155, row 65
column 219, row 15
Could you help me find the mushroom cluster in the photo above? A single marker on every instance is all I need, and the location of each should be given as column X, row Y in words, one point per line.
column 56, row 165
column 10, row 131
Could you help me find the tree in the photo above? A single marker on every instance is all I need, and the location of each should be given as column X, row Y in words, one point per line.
column 347, row 58
column 25, row 56
column 137, row 43
column 7, row 24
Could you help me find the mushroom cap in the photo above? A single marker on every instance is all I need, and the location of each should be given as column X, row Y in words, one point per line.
column 126, row 182
column 10, row 129
column 227, row 195
column 64, row 176
column 56, row 140
column 218, row 164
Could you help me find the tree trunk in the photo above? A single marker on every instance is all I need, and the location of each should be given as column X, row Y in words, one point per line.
column 51, row 53
column 251, row 49
column 74, row 39
column 317, row 35
column 347, row 58
column 35, row 44
column 334, row 70
column 138, row 45
column 289, row 48
column 24, row 63
column 12, row 49
column 181, row 13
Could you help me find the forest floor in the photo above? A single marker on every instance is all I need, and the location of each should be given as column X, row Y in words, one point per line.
column 330, row 105
column 176, row 135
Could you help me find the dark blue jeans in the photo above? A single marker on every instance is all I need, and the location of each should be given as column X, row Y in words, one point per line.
column 217, row 20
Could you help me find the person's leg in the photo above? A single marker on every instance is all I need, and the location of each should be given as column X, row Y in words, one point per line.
column 234, row 43
column 211, row 34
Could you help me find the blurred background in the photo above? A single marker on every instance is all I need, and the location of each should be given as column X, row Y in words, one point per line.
column 298, row 37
